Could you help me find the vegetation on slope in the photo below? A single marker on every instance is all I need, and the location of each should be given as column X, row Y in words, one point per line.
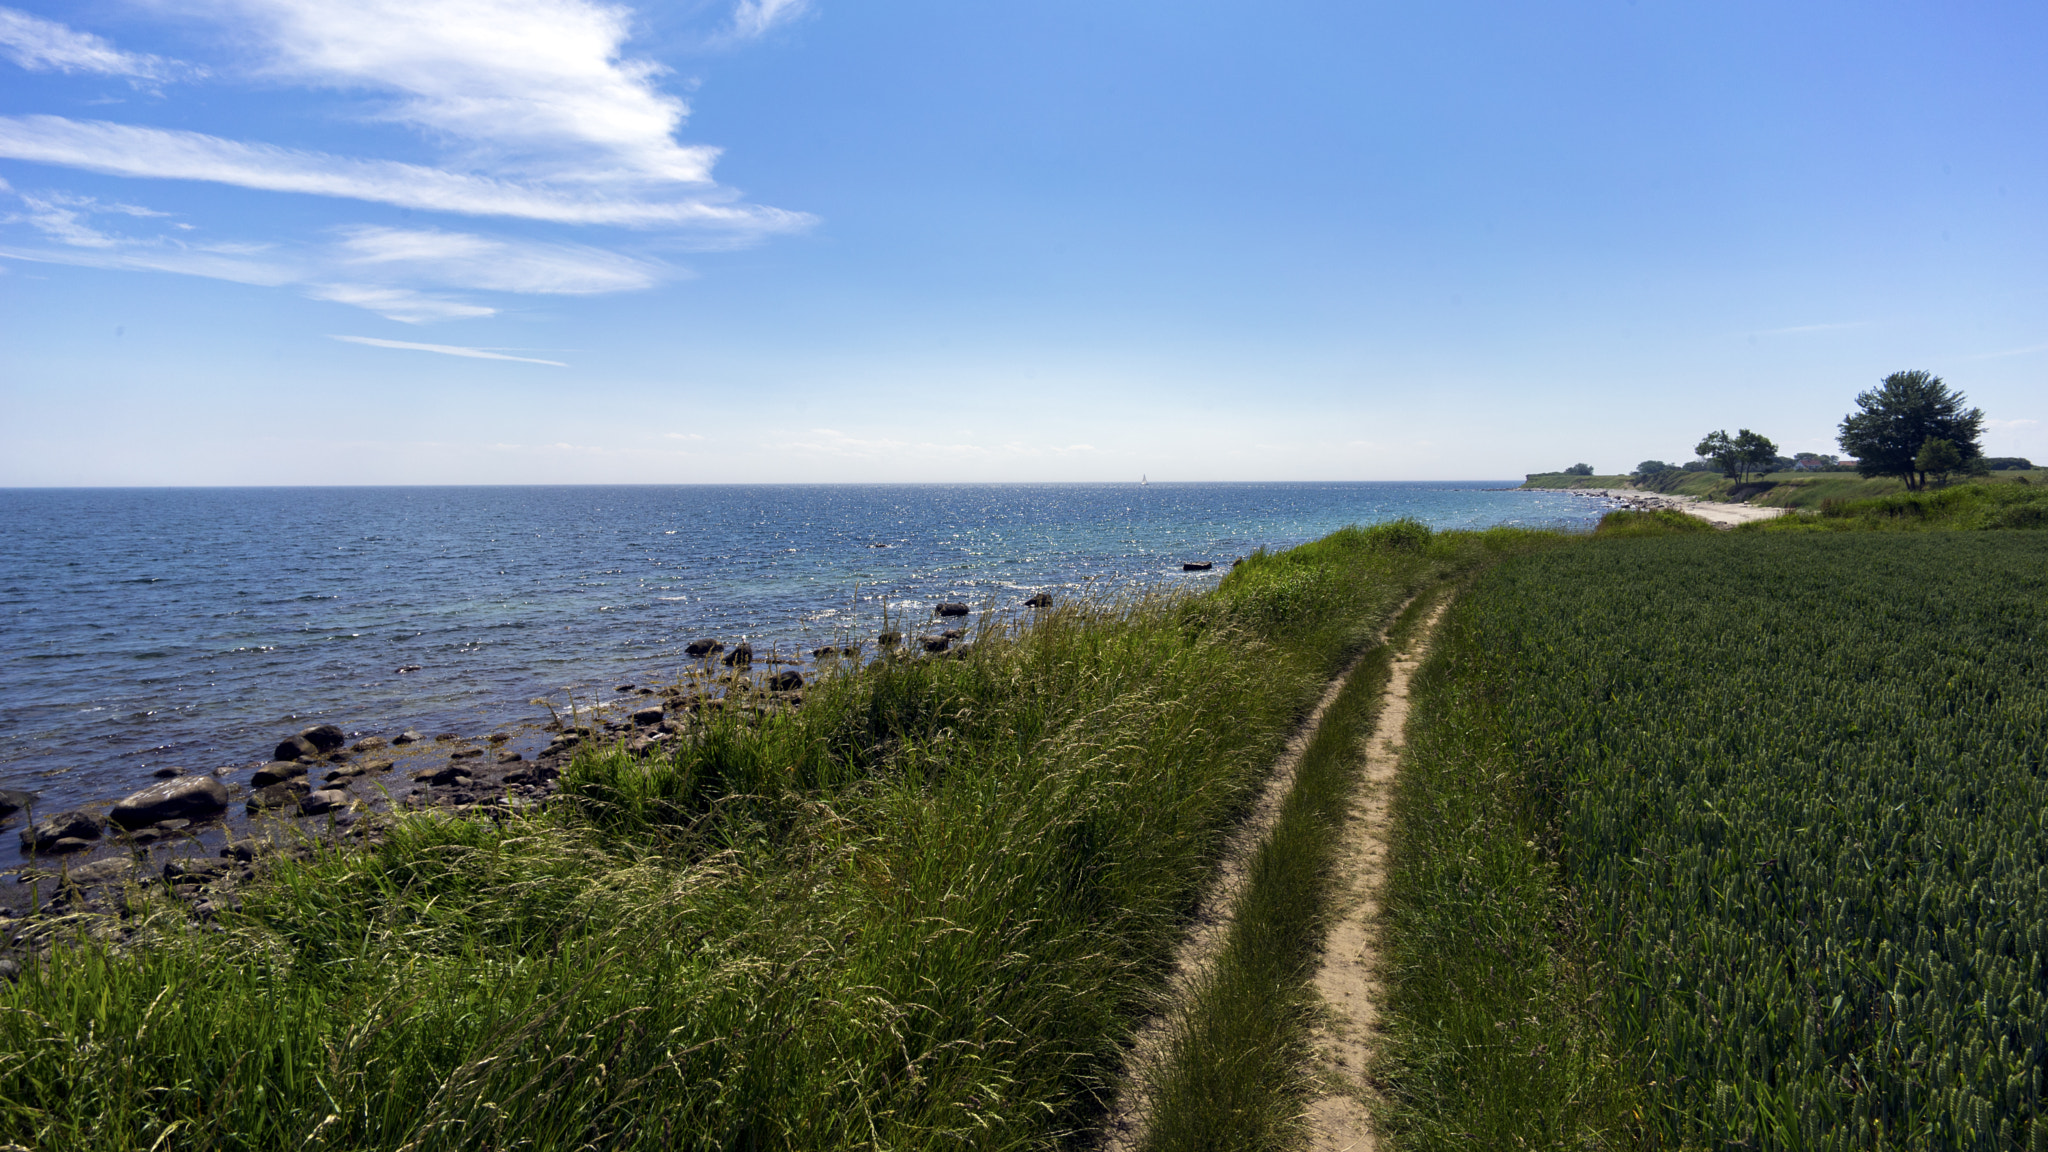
column 923, row 910
column 1730, row 840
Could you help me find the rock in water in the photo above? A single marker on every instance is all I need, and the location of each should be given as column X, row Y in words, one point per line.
column 276, row 772
column 1042, row 600
column 12, row 801
column 1198, row 566
column 325, row 737
column 325, row 800
column 285, row 795
column 650, row 715
column 43, row 835
column 741, row 655
column 407, row 737
column 701, row 648
column 295, row 748
column 182, row 798
column 937, row 643
column 950, row 610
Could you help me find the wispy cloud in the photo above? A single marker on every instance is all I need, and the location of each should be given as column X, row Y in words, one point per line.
column 405, row 304
column 492, row 263
column 41, row 45
column 756, row 17
column 164, row 154
column 445, row 350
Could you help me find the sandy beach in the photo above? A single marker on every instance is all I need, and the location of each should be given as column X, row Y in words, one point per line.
column 1725, row 515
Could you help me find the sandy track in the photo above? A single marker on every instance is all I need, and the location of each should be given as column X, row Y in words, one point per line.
column 1129, row 1118
column 1340, row 1118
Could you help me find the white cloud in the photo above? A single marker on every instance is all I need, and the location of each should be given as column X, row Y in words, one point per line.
column 122, row 150
column 404, row 304
column 484, row 262
column 537, row 86
column 755, row 17
column 41, row 45
column 445, row 350
column 129, row 256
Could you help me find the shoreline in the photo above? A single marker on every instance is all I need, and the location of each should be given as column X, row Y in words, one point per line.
column 1718, row 514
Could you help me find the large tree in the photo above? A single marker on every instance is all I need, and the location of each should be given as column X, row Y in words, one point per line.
column 1738, row 455
column 1899, row 416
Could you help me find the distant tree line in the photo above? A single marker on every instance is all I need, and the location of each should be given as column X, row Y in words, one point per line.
column 1912, row 426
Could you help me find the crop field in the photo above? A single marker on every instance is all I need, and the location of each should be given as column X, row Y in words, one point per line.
column 1785, row 796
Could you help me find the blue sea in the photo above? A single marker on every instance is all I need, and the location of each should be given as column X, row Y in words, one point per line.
column 189, row 628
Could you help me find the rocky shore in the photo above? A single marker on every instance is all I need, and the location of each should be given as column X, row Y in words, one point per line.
column 202, row 835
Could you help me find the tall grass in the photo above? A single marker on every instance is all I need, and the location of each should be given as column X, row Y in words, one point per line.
column 923, row 910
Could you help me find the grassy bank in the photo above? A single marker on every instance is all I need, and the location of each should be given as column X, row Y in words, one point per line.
column 923, row 910
column 1729, row 840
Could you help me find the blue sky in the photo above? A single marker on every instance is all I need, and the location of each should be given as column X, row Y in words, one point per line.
column 488, row 241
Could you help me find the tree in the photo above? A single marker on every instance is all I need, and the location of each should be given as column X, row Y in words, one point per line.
column 1737, row 455
column 1654, row 468
column 1938, row 458
column 1579, row 470
column 1899, row 416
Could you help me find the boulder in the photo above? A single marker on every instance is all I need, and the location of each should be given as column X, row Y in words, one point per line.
column 889, row 639
column 325, row 737
column 701, row 648
column 103, row 872
column 741, row 654
column 407, row 737
column 623, row 688
column 183, row 798
column 786, row 681
column 276, row 772
column 295, row 748
column 43, row 835
column 827, row 650
column 404, row 668
column 284, row 795
column 12, row 801
column 446, row 774
column 955, row 633
column 167, row 773
column 325, row 800
column 651, row 715
column 1042, row 600
column 937, row 643
column 465, row 753
column 510, row 757
column 370, row 743
column 69, row 844
column 10, row 971
column 347, row 773
column 1198, row 566
column 950, row 610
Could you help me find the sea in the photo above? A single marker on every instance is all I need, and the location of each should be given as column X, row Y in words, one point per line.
column 189, row 628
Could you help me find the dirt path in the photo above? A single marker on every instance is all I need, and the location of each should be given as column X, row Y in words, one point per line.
column 1129, row 1117
column 1340, row 1120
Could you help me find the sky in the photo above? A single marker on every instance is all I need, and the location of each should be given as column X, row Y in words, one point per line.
column 756, row 241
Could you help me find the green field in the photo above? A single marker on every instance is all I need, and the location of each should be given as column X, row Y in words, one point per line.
column 1730, row 840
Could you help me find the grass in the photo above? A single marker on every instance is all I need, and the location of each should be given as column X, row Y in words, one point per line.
column 1625, row 523
column 1964, row 507
column 1568, row 480
column 1728, row 840
column 924, row 910
column 1238, row 1069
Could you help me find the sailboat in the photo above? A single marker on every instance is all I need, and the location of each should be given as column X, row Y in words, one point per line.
column 1141, row 479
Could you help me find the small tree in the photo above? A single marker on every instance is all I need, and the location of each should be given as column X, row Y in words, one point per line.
column 1938, row 458
column 1898, row 417
column 1654, row 468
column 1720, row 448
column 1579, row 470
